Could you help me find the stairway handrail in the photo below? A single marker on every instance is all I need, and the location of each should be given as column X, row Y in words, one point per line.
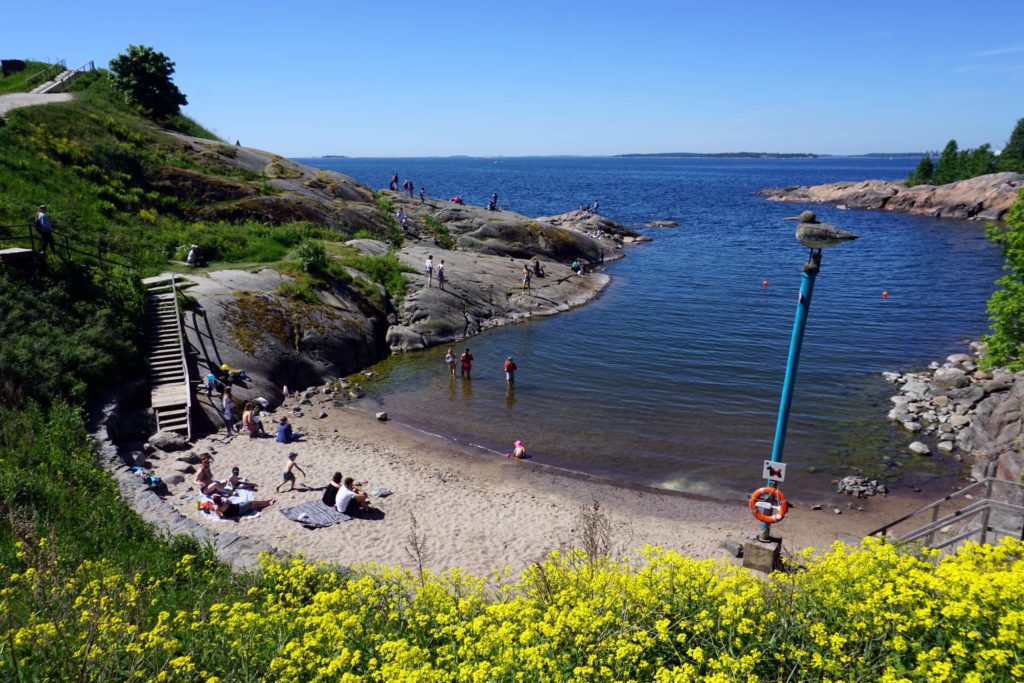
column 62, row 63
column 101, row 254
column 960, row 515
column 184, row 358
column 987, row 483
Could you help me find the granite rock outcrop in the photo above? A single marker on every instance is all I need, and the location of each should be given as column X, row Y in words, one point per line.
column 986, row 197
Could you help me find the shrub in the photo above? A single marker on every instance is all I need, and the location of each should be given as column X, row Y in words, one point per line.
column 312, row 256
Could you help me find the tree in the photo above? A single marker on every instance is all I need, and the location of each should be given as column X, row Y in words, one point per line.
column 1005, row 346
column 977, row 161
column 1012, row 157
column 144, row 76
column 948, row 169
column 922, row 175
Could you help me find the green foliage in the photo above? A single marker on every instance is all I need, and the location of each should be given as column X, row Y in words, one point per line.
column 312, row 256
column 948, row 168
column 1012, row 156
column 1004, row 347
column 69, row 333
column 298, row 291
column 19, row 82
column 393, row 232
column 384, row 270
column 922, row 175
column 977, row 162
column 143, row 75
column 439, row 231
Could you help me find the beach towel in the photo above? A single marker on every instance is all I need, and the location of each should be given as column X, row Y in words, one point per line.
column 313, row 514
column 239, row 496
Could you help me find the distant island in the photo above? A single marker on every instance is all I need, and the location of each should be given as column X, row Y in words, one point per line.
column 730, row 155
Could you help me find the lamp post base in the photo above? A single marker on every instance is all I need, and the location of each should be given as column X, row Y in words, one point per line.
column 763, row 556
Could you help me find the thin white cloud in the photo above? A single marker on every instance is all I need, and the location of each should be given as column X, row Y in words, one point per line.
column 1000, row 51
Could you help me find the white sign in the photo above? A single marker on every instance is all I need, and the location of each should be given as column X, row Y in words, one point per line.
column 776, row 471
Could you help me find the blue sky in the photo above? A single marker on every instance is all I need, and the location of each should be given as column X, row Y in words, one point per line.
column 485, row 78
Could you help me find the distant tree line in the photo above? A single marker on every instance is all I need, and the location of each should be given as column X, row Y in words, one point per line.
column 955, row 164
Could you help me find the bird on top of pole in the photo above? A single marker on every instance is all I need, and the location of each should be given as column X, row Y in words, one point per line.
column 814, row 234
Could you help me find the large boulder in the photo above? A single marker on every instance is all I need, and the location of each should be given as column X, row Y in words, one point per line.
column 248, row 321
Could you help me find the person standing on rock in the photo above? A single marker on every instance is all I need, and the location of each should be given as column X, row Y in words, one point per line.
column 394, row 183
column 440, row 274
column 466, row 359
column 423, row 194
column 527, row 276
column 428, row 268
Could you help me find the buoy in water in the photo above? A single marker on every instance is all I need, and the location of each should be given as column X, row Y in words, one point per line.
column 885, row 294
column 764, row 283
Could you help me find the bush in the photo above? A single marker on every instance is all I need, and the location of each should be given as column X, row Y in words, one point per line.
column 312, row 256
column 1004, row 347
column 868, row 613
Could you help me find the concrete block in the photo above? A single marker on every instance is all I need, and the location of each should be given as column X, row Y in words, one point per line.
column 763, row 556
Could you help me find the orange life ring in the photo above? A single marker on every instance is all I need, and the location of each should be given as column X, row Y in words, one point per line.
column 776, row 503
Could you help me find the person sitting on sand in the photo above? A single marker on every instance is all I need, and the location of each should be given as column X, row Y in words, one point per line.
column 288, row 474
column 351, row 498
column 236, row 483
column 225, row 508
column 251, row 422
column 285, row 433
column 331, row 492
column 205, row 481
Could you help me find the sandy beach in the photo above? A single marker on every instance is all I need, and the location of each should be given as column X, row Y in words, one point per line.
column 478, row 510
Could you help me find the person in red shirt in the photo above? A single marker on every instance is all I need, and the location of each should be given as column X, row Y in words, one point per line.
column 510, row 371
column 466, row 360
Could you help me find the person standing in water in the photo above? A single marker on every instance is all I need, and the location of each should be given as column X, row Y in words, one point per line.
column 467, row 364
column 510, row 371
column 450, row 359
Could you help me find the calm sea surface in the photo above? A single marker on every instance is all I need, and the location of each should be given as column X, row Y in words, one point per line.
column 672, row 377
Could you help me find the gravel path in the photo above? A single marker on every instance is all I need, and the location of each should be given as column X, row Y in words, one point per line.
column 24, row 99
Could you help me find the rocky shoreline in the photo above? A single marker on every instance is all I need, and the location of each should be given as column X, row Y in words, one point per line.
column 957, row 409
column 985, row 198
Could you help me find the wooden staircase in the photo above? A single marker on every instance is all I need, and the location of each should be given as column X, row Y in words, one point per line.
column 170, row 384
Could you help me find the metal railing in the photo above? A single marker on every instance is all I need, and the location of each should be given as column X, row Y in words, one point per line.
column 48, row 73
column 996, row 514
column 66, row 246
column 184, row 357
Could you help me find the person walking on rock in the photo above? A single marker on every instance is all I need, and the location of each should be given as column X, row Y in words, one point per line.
column 527, row 276
column 440, row 274
column 428, row 268
column 423, row 194
column 466, row 359
column 45, row 229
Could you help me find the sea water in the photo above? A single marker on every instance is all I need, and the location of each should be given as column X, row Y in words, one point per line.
column 672, row 377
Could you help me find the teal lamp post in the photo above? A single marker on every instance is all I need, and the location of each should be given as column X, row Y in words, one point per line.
column 768, row 504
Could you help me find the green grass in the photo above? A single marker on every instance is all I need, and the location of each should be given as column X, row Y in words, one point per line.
column 19, row 82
